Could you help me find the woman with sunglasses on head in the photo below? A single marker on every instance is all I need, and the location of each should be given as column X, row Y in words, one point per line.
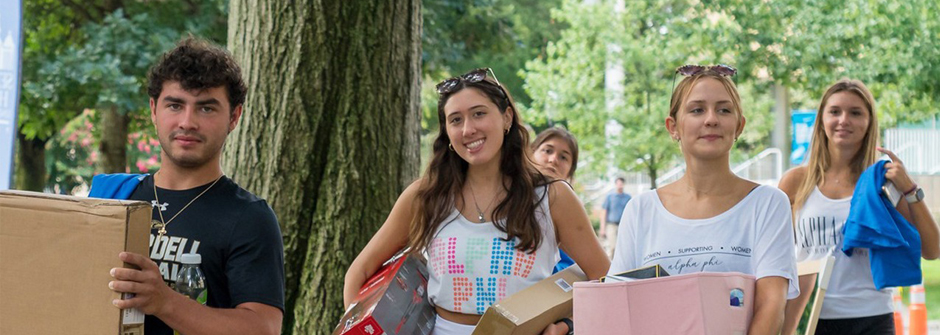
column 845, row 140
column 482, row 213
column 711, row 220
column 555, row 150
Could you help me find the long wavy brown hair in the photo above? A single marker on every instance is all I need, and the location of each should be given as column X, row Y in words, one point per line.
column 819, row 157
column 447, row 172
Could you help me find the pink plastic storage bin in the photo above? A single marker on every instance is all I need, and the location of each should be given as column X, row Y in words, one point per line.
column 698, row 304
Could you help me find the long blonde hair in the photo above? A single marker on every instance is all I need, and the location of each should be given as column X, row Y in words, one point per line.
column 819, row 158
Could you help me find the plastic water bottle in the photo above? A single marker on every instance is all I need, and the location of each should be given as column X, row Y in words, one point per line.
column 190, row 281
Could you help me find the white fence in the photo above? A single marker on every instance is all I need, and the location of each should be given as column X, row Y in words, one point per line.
column 919, row 149
column 765, row 168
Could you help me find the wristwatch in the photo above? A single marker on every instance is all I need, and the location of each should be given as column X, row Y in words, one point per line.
column 914, row 196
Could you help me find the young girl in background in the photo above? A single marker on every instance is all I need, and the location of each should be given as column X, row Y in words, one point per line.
column 556, row 152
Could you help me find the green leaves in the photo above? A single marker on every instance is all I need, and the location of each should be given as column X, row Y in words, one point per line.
column 94, row 55
column 803, row 45
column 889, row 46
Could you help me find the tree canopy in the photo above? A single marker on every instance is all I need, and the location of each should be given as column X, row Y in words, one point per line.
column 776, row 42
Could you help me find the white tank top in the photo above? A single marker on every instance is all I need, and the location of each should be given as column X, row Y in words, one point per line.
column 472, row 266
column 852, row 292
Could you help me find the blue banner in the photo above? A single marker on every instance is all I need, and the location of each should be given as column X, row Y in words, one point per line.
column 11, row 13
column 802, row 125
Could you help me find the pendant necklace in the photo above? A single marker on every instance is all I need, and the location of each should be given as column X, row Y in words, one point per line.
column 480, row 217
column 161, row 225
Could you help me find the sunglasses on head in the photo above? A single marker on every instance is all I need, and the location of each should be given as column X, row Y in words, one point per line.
column 475, row 76
column 720, row 69
column 691, row 70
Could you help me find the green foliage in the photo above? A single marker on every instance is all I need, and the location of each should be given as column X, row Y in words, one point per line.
column 647, row 40
column 71, row 156
column 890, row 46
column 461, row 35
column 96, row 54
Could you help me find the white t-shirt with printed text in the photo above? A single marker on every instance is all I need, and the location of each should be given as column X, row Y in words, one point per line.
column 851, row 292
column 754, row 237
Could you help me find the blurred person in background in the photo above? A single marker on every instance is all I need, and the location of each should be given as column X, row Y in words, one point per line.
column 613, row 207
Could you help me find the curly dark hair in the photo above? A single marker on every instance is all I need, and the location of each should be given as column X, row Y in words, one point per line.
column 198, row 64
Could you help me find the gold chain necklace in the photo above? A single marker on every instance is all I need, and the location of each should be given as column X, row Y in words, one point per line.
column 161, row 225
column 482, row 220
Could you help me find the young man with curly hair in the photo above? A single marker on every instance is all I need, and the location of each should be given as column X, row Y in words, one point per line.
column 196, row 96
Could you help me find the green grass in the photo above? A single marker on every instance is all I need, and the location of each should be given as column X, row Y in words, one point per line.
column 932, row 287
column 931, row 271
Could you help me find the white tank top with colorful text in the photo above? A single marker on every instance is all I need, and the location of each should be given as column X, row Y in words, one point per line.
column 472, row 265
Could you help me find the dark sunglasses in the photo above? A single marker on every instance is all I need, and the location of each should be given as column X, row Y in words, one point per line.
column 721, row 69
column 691, row 70
column 475, row 76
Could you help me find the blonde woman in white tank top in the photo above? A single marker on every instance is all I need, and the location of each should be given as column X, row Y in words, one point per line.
column 845, row 140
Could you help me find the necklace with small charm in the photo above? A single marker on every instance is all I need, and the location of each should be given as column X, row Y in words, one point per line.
column 161, row 224
column 480, row 211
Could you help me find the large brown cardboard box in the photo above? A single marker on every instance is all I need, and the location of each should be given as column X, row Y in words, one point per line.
column 55, row 255
column 529, row 311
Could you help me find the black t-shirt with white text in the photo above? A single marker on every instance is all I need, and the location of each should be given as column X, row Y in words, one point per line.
column 237, row 235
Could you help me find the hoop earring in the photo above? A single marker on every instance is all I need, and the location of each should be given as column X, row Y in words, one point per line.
column 506, row 131
column 451, row 146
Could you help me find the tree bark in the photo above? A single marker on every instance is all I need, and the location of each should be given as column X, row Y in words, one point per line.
column 652, row 171
column 329, row 134
column 113, row 142
column 30, row 172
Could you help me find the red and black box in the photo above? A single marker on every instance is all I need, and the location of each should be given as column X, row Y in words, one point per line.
column 393, row 301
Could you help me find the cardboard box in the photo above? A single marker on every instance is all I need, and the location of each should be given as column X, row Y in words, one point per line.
column 704, row 303
column 55, row 256
column 393, row 301
column 529, row 311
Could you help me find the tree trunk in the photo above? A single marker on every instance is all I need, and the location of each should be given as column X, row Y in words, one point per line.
column 780, row 135
column 330, row 132
column 30, row 171
column 113, row 142
column 652, row 171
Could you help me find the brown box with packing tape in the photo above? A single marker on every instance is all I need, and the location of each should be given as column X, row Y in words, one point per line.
column 531, row 310
column 55, row 256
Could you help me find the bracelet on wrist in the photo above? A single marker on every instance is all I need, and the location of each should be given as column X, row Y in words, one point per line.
column 913, row 188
